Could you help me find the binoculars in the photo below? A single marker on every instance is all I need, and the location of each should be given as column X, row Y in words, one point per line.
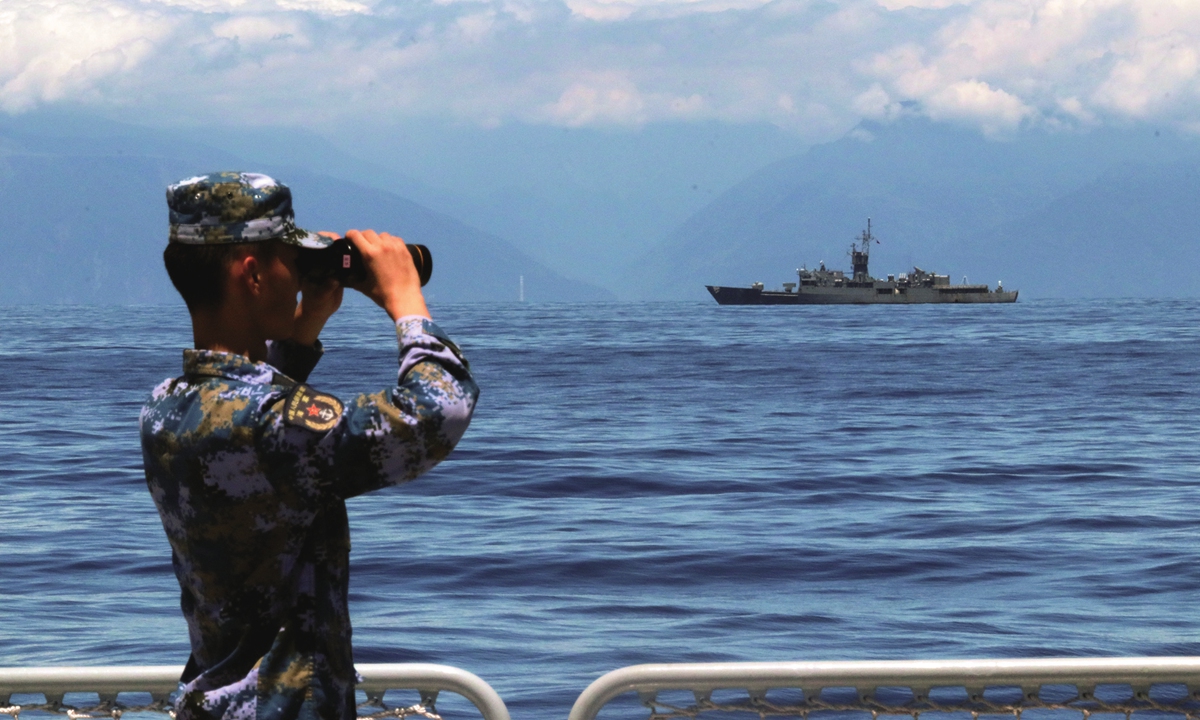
column 343, row 262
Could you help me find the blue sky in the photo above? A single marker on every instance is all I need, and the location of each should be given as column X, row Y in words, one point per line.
column 812, row 68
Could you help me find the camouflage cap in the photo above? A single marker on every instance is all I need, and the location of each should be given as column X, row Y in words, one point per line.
column 235, row 207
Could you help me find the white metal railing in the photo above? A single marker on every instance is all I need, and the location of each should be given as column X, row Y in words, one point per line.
column 162, row 680
column 807, row 680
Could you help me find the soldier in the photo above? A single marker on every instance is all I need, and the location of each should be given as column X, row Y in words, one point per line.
column 250, row 467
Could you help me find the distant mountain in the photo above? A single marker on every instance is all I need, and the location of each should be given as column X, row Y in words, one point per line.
column 1050, row 214
column 84, row 220
column 1132, row 232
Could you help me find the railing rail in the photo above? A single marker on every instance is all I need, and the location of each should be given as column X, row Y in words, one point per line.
column 428, row 679
column 866, row 677
column 702, row 679
column 161, row 680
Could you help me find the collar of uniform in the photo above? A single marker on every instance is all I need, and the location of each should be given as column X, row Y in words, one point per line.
column 212, row 363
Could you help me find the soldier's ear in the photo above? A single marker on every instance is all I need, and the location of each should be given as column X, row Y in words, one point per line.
column 248, row 271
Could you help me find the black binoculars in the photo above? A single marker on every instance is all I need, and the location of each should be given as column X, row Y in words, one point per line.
column 343, row 262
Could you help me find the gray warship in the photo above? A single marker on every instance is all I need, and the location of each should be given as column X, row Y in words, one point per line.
column 834, row 287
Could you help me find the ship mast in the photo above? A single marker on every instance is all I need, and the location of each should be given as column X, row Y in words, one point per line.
column 860, row 254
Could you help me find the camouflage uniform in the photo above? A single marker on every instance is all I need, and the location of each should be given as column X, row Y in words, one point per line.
column 249, row 468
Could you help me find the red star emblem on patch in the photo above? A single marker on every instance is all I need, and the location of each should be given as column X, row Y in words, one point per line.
column 313, row 410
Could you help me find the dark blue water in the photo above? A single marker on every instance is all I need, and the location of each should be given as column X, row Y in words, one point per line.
column 671, row 482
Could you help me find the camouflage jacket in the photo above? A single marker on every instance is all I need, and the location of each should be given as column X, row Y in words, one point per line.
column 249, row 468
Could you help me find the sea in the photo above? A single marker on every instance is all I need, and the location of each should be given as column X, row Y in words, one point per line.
column 671, row 482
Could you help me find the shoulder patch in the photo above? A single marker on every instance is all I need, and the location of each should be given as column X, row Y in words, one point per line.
column 310, row 409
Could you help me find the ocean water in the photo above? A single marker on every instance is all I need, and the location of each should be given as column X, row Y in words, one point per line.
column 669, row 482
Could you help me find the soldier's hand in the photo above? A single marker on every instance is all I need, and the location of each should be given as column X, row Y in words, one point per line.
column 392, row 280
column 318, row 302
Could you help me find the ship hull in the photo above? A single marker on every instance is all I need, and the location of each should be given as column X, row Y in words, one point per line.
column 861, row 296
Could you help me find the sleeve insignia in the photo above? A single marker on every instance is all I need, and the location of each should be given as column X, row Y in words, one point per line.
column 310, row 409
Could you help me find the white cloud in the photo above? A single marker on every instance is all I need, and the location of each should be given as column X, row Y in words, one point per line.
column 606, row 100
column 876, row 104
column 69, row 51
column 922, row 4
column 999, row 63
column 611, row 99
column 975, row 101
column 324, row 7
column 258, row 30
column 609, row 10
column 817, row 67
column 1145, row 81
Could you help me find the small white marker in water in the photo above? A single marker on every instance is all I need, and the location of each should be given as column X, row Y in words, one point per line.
column 522, row 288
